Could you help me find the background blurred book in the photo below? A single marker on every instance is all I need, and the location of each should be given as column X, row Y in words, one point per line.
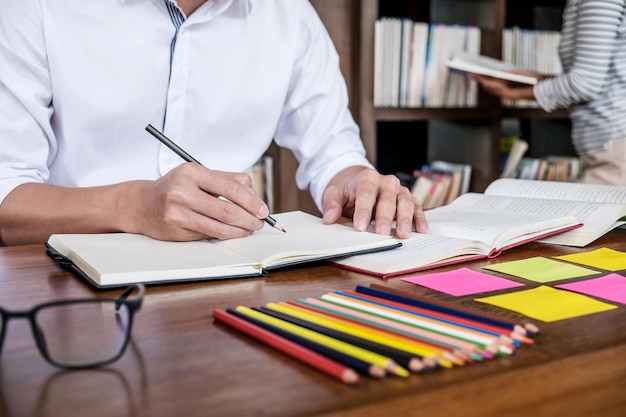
column 440, row 182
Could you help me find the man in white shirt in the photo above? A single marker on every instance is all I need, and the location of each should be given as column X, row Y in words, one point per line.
column 80, row 80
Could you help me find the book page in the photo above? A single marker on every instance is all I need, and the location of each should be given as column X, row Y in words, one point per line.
column 420, row 250
column 485, row 65
column 306, row 237
column 556, row 190
column 597, row 218
column 497, row 221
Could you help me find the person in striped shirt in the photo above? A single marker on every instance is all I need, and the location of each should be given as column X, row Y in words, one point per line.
column 592, row 86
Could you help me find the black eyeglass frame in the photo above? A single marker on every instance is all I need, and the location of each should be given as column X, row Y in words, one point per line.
column 133, row 306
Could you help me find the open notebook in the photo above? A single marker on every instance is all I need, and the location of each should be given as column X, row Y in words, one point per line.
column 117, row 259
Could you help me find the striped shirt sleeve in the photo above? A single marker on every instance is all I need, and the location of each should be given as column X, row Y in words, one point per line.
column 589, row 35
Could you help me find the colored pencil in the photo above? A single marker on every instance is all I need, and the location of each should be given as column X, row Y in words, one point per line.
column 489, row 343
column 350, row 361
column 459, row 346
column 410, row 298
column 386, row 338
column 404, row 359
column 379, row 324
column 311, row 358
column 375, row 359
column 433, row 315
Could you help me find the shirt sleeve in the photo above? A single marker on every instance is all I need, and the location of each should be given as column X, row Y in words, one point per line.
column 25, row 97
column 594, row 27
column 316, row 123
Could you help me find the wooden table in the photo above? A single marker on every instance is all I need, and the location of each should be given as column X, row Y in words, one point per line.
column 182, row 363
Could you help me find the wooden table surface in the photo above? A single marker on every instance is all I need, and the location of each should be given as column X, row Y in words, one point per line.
column 182, row 363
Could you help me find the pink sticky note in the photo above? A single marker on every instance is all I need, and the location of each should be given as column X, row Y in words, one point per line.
column 462, row 281
column 610, row 287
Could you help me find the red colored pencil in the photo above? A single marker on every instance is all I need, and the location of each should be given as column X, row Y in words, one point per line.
column 314, row 359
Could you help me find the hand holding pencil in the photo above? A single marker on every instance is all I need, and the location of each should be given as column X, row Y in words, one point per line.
column 192, row 202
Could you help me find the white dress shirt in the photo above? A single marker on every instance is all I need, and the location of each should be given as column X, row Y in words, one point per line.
column 80, row 80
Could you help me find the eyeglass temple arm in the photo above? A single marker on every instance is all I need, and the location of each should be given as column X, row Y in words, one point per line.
column 135, row 303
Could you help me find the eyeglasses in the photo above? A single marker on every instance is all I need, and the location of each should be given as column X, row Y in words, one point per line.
column 81, row 333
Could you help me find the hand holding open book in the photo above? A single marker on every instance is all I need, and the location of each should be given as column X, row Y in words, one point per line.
column 491, row 67
column 510, row 212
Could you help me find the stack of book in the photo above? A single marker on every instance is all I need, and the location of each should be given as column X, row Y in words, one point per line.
column 377, row 331
column 440, row 182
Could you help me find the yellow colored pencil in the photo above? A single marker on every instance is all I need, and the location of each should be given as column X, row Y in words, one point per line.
column 490, row 343
column 385, row 338
column 355, row 351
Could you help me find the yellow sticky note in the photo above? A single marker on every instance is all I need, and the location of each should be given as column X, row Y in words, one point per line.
column 541, row 269
column 547, row 304
column 603, row 258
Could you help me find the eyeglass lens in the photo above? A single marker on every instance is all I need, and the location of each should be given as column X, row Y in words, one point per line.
column 80, row 334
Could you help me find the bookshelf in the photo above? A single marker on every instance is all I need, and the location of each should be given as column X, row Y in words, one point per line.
column 401, row 139
column 464, row 135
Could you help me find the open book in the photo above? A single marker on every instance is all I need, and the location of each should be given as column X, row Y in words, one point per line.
column 476, row 226
column 117, row 259
column 485, row 65
column 601, row 208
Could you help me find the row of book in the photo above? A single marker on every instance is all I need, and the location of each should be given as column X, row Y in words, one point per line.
column 535, row 50
column 440, row 182
column 548, row 168
column 409, row 64
column 410, row 61
column 377, row 331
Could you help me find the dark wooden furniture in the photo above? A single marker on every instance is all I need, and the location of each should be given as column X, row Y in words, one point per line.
column 402, row 139
column 182, row 363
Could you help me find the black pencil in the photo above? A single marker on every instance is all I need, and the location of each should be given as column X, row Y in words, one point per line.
column 181, row 152
column 354, row 363
column 403, row 358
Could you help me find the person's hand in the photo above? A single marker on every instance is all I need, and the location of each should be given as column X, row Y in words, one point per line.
column 363, row 195
column 192, row 202
column 505, row 89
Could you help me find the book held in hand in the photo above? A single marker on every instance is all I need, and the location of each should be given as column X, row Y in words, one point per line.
column 485, row 65
column 117, row 259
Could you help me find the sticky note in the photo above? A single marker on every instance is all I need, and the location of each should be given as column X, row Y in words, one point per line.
column 541, row 269
column 547, row 304
column 603, row 258
column 462, row 281
column 611, row 287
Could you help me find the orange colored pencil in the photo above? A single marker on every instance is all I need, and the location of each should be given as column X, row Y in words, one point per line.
column 314, row 359
column 525, row 329
column 395, row 340
column 490, row 343
column 475, row 325
column 459, row 346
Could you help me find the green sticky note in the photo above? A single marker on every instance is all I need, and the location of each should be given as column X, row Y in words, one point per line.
column 547, row 304
column 541, row 269
column 603, row 258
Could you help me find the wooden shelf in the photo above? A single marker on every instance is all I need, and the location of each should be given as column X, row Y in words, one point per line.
column 351, row 26
column 402, row 114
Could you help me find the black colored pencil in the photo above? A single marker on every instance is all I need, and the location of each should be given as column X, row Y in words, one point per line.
column 415, row 300
column 354, row 363
column 403, row 358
